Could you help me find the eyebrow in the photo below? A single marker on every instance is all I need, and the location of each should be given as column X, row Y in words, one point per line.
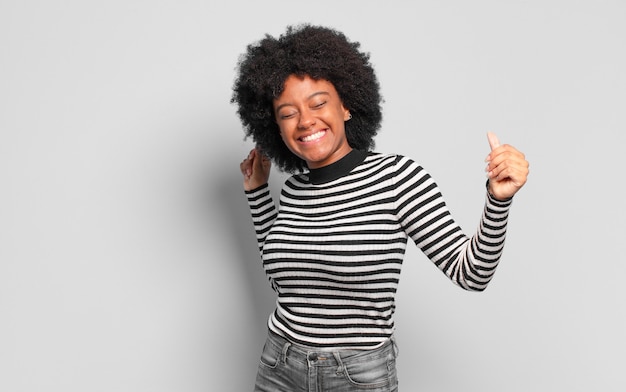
column 308, row 98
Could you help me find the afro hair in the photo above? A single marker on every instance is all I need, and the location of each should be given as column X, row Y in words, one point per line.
column 305, row 50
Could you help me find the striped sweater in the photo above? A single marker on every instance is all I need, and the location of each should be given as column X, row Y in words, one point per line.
column 333, row 250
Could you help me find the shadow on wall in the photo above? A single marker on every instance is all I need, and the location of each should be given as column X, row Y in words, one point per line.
column 235, row 216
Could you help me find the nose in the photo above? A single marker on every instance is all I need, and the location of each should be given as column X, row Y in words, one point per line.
column 306, row 120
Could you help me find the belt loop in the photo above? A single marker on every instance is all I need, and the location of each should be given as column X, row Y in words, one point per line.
column 285, row 348
column 338, row 359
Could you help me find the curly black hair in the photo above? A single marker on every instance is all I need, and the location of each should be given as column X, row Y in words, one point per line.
column 317, row 52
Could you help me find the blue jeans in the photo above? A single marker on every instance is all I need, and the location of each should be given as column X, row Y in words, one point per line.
column 286, row 367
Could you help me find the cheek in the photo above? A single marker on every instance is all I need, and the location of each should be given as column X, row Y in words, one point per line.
column 283, row 130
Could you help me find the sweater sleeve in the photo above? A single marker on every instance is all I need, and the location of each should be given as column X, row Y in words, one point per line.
column 422, row 211
column 263, row 211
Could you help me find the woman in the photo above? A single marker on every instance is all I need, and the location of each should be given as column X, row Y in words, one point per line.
column 333, row 249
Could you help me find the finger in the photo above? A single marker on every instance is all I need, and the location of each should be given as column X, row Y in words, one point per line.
column 246, row 165
column 255, row 158
column 516, row 170
column 493, row 140
column 261, row 160
column 245, row 169
column 511, row 175
column 506, row 155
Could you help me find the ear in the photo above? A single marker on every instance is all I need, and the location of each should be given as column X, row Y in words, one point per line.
column 346, row 114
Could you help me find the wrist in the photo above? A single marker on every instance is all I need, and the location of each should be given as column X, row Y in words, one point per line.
column 253, row 187
column 494, row 195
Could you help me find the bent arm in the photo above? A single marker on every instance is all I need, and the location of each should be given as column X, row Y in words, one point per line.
column 263, row 212
column 422, row 211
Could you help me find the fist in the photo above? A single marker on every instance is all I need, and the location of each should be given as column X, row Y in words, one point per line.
column 255, row 169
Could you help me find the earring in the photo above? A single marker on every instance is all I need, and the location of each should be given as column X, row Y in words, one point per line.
column 349, row 117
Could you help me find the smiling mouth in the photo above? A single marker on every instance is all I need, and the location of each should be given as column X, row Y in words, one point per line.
column 315, row 136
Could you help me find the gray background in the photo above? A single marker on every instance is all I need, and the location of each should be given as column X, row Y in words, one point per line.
column 127, row 256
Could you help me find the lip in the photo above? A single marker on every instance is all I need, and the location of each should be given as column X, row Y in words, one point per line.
column 323, row 132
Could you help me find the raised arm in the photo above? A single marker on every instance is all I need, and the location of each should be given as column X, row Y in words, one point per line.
column 468, row 262
column 256, row 171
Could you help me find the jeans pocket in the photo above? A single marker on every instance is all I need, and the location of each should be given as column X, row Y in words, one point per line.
column 270, row 355
column 370, row 373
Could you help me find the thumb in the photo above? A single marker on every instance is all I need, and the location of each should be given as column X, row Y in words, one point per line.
column 493, row 140
column 260, row 160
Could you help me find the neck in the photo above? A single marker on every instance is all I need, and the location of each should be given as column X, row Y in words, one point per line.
column 338, row 168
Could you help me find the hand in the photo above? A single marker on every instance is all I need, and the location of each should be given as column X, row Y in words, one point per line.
column 507, row 169
column 255, row 169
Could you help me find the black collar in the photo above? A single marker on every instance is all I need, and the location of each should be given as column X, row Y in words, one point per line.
column 337, row 169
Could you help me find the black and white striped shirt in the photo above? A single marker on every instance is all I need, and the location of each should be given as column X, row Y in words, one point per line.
column 333, row 250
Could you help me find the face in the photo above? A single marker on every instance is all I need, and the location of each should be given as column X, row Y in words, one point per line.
column 311, row 119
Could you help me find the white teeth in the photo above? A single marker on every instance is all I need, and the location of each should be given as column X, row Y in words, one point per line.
column 312, row 137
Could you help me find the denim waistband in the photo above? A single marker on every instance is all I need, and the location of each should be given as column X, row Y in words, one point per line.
column 318, row 357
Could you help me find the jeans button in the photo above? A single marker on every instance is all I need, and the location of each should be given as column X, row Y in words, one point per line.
column 313, row 357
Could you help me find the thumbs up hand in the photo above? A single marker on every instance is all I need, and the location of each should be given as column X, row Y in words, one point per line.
column 507, row 169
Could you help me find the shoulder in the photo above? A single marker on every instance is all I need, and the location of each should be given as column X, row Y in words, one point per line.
column 403, row 171
column 396, row 162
